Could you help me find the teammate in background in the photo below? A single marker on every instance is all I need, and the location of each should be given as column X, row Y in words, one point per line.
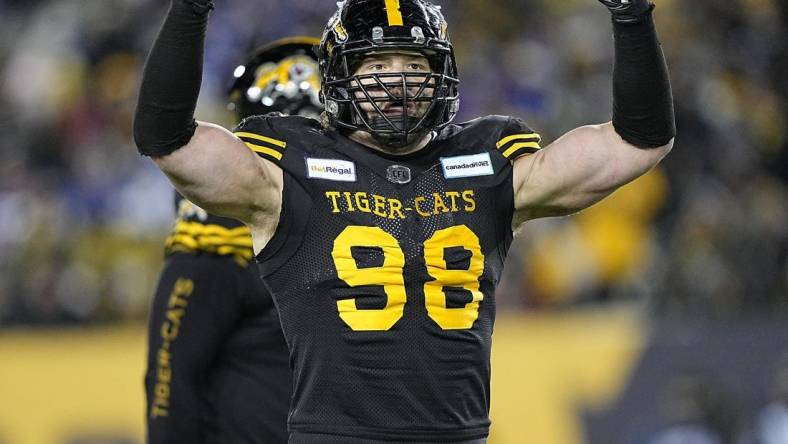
column 218, row 367
column 382, row 232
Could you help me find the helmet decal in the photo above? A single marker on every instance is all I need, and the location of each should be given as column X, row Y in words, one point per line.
column 285, row 79
column 338, row 29
column 282, row 76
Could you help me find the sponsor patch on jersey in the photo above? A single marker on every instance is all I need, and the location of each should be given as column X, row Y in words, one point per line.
column 331, row 169
column 467, row 166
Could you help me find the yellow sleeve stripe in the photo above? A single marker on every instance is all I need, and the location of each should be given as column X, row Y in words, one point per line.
column 254, row 136
column 263, row 150
column 508, row 139
column 208, row 243
column 241, row 255
column 519, row 146
column 240, row 240
column 216, row 239
column 197, row 228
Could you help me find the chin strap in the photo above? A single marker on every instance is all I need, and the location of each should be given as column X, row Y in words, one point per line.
column 401, row 124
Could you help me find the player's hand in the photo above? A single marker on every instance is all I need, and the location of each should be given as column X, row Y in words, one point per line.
column 628, row 11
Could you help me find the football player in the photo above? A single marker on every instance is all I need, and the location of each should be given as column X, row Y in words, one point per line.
column 217, row 361
column 382, row 231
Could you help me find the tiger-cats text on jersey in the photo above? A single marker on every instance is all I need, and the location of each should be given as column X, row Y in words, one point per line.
column 384, row 269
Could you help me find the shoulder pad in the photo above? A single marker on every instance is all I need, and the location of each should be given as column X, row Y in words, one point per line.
column 487, row 124
column 267, row 135
column 298, row 124
column 515, row 138
column 510, row 135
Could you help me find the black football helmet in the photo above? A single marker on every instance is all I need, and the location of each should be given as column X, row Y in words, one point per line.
column 282, row 76
column 361, row 28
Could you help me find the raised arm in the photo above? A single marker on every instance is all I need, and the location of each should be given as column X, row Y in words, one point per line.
column 590, row 162
column 205, row 162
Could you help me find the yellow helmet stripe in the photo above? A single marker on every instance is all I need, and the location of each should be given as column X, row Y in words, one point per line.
column 393, row 12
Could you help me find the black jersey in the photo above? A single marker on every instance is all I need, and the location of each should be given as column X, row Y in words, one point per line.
column 384, row 269
column 218, row 369
column 196, row 230
column 217, row 361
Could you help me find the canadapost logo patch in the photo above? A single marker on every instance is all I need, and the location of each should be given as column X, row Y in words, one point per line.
column 467, row 166
column 331, row 169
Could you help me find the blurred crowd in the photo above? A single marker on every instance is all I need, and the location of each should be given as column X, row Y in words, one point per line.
column 83, row 217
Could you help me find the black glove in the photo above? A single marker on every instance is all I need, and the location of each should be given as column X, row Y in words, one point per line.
column 628, row 11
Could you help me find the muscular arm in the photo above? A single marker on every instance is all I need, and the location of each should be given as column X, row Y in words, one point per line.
column 590, row 162
column 219, row 173
column 577, row 170
column 205, row 162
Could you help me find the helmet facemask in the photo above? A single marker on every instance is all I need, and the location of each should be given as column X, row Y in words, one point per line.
column 396, row 108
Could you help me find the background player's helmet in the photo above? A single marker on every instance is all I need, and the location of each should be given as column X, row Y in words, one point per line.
column 363, row 27
column 282, row 76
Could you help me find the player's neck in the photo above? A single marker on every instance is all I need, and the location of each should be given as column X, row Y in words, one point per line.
column 366, row 139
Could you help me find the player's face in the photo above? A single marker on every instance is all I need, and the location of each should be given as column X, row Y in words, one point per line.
column 386, row 68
